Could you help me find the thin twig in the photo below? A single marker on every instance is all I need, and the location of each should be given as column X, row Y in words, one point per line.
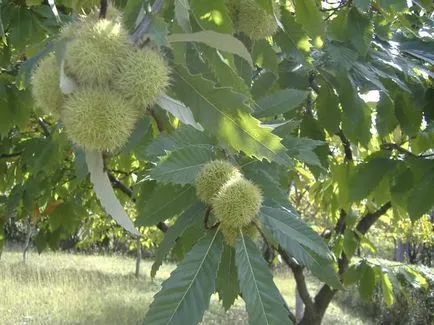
column 129, row 192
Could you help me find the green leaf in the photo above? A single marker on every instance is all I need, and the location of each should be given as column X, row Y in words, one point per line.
column 264, row 56
column 157, row 31
column 329, row 114
column 352, row 275
column 182, row 14
column 212, row 15
column 421, row 198
column 367, row 176
column 181, row 166
column 227, row 280
column 224, row 73
column 179, row 110
column 307, row 14
column 386, row 120
column 104, row 191
column 393, row 5
column 363, row 5
column 350, row 243
column 292, row 234
column 184, row 136
column 166, row 202
column 334, row 28
column 302, row 149
column 367, row 282
column 360, row 31
column 285, row 224
column 65, row 216
column 184, row 221
column 387, row 288
column 265, row 177
column 223, row 42
column 223, row 113
column 263, row 300
column 141, row 129
column 408, row 114
column 185, row 296
column 280, row 102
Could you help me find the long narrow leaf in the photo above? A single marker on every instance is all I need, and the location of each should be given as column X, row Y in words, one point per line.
column 265, row 305
column 185, row 296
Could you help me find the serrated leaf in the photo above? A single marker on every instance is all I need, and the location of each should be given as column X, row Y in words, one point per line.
column 408, row 114
column 264, row 56
column 184, row 136
column 351, row 275
column 179, row 110
column 320, row 266
column 223, row 113
column 280, row 102
column 104, row 191
column 387, row 288
column 227, row 280
column 182, row 14
column 303, row 149
column 307, row 14
column 225, row 74
column 421, row 198
column 285, row 224
column 186, row 219
column 185, row 296
column 367, row 176
column 334, row 28
column 350, row 243
column 181, row 166
column 363, row 5
column 271, row 189
column 360, row 31
column 80, row 163
column 263, row 300
column 165, row 202
column 157, row 31
column 385, row 121
column 212, row 15
column 223, row 42
column 367, row 283
column 329, row 114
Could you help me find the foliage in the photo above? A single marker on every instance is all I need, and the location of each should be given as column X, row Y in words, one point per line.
column 289, row 109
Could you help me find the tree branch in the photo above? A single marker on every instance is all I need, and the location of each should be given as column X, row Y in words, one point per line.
column 129, row 192
column 10, row 155
column 44, row 127
column 300, row 280
column 325, row 294
column 347, row 145
column 103, row 9
column 368, row 220
column 142, row 27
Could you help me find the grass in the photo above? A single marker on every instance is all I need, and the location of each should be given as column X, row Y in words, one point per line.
column 62, row 288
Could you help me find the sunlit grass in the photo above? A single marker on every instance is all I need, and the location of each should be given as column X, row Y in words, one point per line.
column 61, row 288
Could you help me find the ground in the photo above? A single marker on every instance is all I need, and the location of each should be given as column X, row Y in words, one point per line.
column 62, row 288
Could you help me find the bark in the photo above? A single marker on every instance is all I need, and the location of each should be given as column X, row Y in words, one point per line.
column 28, row 239
column 138, row 257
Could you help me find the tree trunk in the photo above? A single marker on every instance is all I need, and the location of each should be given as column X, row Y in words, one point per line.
column 400, row 249
column 138, row 257
column 28, row 239
column 299, row 306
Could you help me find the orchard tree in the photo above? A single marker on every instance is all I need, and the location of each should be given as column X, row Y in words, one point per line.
column 215, row 118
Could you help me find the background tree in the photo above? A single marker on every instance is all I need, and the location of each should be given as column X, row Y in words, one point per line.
column 274, row 87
